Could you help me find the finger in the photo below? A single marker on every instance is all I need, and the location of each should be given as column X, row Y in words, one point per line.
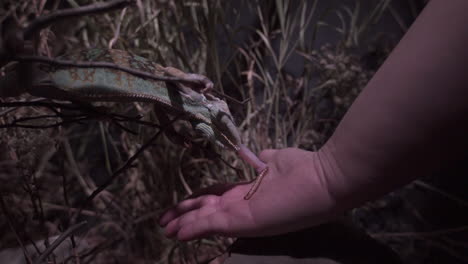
column 187, row 205
column 215, row 223
column 174, row 226
column 267, row 154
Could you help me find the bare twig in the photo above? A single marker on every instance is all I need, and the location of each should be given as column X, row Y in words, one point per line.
column 435, row 233
column 230, row 98
column 59, row 240
column 452, row 252
column 124, row 167
column 67, row 201
column 57, row 124
column 44, row 21
column 93, row 111
column 66, row 208
column 432, row 188
column 108, row 65
column 50, row 105
column 92, row 253
column 117, row 30
column 8, row 217
column 31, row 118
column 16, row 123
column 181, row 175
column 136, row 120
column 124, row 128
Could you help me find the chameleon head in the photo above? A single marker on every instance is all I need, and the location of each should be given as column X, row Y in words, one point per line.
column 223, row 129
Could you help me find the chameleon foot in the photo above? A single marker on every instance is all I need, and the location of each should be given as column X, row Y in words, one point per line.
column 256, row 184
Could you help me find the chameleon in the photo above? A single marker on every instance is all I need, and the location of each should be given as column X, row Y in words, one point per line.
column 172, row 91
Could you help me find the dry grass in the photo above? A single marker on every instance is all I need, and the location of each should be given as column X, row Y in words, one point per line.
column 49, row 172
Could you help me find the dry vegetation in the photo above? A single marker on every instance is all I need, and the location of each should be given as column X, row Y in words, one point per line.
column 47, row 173
column 51, row 171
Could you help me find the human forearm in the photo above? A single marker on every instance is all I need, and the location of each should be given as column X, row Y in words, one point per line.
column 411, row 117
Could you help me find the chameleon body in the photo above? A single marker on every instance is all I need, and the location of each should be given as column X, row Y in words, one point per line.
column 180, row 94
column 209, row 115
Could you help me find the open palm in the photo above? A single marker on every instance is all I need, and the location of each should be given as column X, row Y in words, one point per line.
column 292, row 196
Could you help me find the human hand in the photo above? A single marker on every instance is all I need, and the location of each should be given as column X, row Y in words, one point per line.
column 293, row 195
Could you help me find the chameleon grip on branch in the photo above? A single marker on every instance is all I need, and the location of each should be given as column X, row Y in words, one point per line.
column 171, row 90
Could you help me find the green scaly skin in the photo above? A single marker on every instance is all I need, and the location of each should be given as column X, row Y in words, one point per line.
column 209, row 115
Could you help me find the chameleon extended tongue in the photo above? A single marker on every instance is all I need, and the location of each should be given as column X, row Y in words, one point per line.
column 256, row 184
column 262, row 169
column 248, row 156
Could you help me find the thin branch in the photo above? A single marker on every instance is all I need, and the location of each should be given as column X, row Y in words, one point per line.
column 116, row 118
column 181, row 175
column 108, row 65
column 10, row 223
column 65, row 197
column 70, row 231
column 124, row 167
column 230, row 98
column 30, row 118
column 44, row 21
column 216, row 155
column 136, row 120
column 66, row 208
column 439, row 191
column 15, row 124
column 435, row 233
column 7, row 112
column 124, row 128
column 92, row 253
column 449, row 250
column 49, row 105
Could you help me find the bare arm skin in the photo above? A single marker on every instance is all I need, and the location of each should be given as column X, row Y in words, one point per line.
column 412, row 116
column 409, row 120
